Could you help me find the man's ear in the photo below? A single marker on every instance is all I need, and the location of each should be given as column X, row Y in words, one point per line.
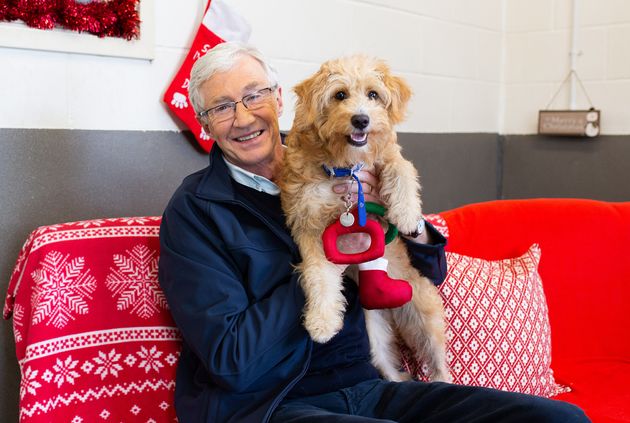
column 279, row 100
column 205, row 126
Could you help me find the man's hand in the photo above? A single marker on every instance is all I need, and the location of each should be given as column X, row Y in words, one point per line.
column 370, row 184
column 356, row 243
column 359, row 242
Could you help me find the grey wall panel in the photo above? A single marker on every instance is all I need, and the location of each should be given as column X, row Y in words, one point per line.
column 455, row 169
column 51, row 176
column 555, row 167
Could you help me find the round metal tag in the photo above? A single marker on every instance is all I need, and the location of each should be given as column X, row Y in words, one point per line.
column 346, row 219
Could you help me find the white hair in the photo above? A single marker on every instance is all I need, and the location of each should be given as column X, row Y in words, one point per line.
column 222, row 58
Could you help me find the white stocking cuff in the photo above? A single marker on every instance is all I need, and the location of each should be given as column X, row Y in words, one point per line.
column 376, row 264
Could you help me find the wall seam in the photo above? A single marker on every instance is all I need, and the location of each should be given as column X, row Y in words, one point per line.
column 500, row 166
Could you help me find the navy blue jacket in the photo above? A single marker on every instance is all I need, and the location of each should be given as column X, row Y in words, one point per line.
column 226, row 270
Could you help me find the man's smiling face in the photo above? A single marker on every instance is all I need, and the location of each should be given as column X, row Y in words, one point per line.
column 251, row 139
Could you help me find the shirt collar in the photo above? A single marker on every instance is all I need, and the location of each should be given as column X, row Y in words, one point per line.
column 249, row 179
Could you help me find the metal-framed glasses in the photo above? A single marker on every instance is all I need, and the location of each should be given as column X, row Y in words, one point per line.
column 227, row 111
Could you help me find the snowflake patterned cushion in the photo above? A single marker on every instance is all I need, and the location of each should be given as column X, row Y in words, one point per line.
column 93, row 335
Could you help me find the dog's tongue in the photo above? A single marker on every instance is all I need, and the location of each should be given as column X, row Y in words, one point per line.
column 358, row 136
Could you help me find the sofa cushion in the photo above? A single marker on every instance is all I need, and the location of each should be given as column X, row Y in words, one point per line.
column 497, row 324
column 94, row 338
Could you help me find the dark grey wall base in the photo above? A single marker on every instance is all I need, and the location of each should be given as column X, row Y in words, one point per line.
column 455, row 169
column 52, row 176
column 596, row 168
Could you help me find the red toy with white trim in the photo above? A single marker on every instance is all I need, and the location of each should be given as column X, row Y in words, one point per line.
column 376, row 289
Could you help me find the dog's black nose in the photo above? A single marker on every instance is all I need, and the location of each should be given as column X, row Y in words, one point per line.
column 360, row 121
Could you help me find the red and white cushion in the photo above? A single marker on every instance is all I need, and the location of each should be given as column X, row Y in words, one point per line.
column 498, row 325
column 438, row 223
column 498, row 329
column 94, row 338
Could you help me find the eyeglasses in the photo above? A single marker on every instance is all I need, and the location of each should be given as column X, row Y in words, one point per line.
column 227, row 111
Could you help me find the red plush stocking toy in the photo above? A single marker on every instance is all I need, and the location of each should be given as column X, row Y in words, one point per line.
column 220, row 23
column 376, row 289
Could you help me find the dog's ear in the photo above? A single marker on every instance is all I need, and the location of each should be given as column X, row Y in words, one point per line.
column 400, row 94
column 308, row 91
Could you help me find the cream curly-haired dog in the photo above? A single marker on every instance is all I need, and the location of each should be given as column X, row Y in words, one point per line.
column 345, row 114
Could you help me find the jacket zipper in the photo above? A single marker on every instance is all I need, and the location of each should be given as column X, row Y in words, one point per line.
column 291, row 384
column 293, row 247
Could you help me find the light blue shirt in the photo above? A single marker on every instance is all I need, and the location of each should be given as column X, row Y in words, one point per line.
column 249, row 179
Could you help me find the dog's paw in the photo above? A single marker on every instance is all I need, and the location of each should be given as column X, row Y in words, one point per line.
column 442, row 376
column 399, row 377
column 322, row 326
column 406, row 222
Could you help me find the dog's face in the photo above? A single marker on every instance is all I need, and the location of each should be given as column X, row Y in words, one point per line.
column 352, row 105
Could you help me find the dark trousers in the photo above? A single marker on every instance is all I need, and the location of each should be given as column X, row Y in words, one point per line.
column 414, row 402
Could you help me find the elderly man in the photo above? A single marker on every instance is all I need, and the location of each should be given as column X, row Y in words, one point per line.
column 226, row 269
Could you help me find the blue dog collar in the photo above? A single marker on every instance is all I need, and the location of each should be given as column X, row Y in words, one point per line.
column 340, row 172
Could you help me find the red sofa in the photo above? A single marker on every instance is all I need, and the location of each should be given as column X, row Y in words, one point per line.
column 585, row 270
column 95, row 341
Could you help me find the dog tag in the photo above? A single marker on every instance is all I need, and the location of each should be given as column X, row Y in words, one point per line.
column 346, row 219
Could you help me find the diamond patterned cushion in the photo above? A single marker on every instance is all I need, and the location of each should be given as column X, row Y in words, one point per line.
column 498, row 327
column 497, row 323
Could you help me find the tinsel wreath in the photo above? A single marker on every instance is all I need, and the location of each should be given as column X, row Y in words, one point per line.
column 104, row 18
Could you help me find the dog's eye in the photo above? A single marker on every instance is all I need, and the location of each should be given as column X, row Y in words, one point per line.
column 341, row 95
column 373, row 95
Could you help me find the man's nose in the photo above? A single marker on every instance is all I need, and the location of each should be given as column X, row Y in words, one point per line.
column 242, row 115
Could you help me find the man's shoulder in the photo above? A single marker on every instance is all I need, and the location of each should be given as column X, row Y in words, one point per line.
column 192, row 181
column 186, row 192
column 197, row 181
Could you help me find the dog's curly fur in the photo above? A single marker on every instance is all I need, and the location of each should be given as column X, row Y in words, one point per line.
column 321, row 135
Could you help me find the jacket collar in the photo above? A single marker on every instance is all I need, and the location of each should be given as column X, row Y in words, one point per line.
column 216, row 183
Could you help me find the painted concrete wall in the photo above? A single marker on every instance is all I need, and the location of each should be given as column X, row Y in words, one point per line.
column 449, row 51
column 475, row 65
column 537, row 44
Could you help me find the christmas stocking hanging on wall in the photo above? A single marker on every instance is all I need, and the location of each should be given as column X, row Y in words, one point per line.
column 220, row 23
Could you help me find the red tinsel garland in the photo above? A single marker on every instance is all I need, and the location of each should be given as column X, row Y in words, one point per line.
column 105, row 18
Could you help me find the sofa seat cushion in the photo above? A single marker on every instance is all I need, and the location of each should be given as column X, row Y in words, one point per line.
column 600, row 388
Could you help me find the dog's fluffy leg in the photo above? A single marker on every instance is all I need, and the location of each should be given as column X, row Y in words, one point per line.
column 420, row 322
column 400, row 190
column 385, row 353
column 322, row 283
column 421, row 325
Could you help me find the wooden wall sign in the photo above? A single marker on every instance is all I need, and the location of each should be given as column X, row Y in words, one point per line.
column 576, row 123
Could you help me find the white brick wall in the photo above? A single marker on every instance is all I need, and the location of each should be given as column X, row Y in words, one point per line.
column 537, row 45
column 474, row 65
column 449, row 51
